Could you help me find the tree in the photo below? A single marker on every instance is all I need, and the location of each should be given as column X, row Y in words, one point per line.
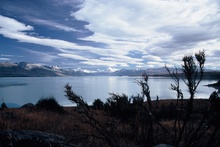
column 149, row 122
column 193, row 73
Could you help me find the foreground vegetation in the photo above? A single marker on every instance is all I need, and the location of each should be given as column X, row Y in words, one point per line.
column 129, row 121
column 78, row 130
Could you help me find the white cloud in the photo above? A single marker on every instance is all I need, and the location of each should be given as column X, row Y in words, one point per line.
column 112, row 69
column 44, row 56
column 138, row 18
column 98, row 62
column 53, row 24
column 73, row 56
column 3, row 55
column 161, row 28
column 4, row 59
column 152, row 58
column 18, row 31
column 161, row 31
column 11, row 25
column 13, row 29
column 155, row 64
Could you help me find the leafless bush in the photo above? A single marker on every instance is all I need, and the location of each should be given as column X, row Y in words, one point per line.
column 101, row 131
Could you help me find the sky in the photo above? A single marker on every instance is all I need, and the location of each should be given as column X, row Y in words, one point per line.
column 109, row 34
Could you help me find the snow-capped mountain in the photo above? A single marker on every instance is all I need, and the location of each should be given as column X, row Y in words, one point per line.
column 25, row 69
column 31, row 69
column 7, row 64
column 28, row 69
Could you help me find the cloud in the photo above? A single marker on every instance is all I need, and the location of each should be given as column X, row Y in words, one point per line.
column 20, row 32
column 152, row 64
column 98, row 62
column 53, row 24
column 152, row 58
column 112, row 69
column 125, row 33
column 13, row 26
column 13, row 29
column 122, row 59
column 4, row 59
column 188, row 37
column 47, row 57
column 158, row 28
column 131, row 18
column 3, row 55
column 76, row 3
column 73, row 56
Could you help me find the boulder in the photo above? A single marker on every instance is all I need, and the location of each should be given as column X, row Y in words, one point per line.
column 21, row 138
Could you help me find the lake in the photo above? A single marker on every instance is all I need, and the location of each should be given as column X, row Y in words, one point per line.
column 22, row 90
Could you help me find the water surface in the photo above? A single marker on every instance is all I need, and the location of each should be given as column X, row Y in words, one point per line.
column 21, row 90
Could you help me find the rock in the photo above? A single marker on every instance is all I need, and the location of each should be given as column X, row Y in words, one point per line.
column 22, row 138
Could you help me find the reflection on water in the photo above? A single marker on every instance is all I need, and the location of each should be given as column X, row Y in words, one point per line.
column 21, row 90
column 12, row 84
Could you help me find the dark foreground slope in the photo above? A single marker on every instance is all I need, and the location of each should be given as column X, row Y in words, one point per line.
column 76, row 129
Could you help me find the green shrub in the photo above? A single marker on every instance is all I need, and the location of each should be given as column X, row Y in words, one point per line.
column 50, row 104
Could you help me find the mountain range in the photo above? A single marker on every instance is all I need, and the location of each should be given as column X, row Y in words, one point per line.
column 25, row 69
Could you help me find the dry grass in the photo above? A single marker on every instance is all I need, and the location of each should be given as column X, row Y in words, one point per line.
column 20, row 118
column 72, row 125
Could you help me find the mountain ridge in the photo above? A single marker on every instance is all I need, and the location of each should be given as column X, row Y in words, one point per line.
column 26, row 69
